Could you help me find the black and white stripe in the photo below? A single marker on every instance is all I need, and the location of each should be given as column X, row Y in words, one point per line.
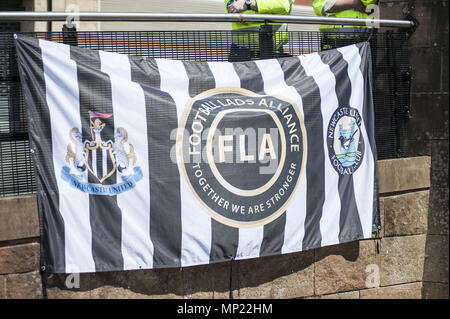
column 349, row 222
column 365, row 174
column 160, row 223
column 161, row 118
column 103, row 211
column 245, row 241
column 128, row 103
column 54, row 243
column 369, row 122
column 308, row 228
column 224, row 238
column 264, row 80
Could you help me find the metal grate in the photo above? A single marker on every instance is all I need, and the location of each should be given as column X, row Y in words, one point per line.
column 391, row 81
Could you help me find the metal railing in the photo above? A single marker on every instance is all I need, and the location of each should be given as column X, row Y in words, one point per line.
column 391, row 77
column 198, row 17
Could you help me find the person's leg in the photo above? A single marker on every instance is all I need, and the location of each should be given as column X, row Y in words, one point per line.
column 281, row 54
column 326, row 42
column 238, row 54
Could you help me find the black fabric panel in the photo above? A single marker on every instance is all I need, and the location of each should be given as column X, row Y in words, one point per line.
column 369, row 122
column 273, row 236
column 52, row 228
column 308, row 89
column 165, row 202
column 105, row 214
column 350, row 222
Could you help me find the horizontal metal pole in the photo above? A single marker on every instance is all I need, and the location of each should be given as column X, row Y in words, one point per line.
column 195, row 17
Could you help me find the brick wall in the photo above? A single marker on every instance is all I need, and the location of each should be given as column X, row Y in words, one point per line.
column 397, row 257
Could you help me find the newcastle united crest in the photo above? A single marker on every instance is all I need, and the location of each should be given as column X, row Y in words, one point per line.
column 99, row 166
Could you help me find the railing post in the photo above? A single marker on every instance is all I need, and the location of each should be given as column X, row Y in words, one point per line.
column 70, row 35
column 397, row 121
column 266, row 41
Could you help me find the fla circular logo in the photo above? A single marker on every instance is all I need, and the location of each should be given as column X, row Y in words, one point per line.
column 241, row 154
column 345, row 141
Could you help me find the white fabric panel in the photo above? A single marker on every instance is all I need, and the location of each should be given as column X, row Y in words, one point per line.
column 322, row 75
column 137, row 248
column 196, row 224
column 364, row 174
column 274, row 84
column 249, row 239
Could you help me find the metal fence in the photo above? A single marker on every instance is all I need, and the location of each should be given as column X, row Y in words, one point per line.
column 391, row 80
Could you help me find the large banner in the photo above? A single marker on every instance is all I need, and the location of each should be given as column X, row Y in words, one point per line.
column 147, row 163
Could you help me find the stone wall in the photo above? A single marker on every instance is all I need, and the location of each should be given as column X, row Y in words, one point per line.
column 427, row 129
column 392, row 264
column 409, row 256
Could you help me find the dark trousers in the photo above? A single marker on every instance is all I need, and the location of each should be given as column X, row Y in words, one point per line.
column 239, row 54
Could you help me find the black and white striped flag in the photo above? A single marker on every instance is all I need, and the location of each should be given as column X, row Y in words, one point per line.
column 148, row 163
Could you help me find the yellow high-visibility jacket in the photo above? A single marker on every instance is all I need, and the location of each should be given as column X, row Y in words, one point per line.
column 320, row 6
column 251, row 40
